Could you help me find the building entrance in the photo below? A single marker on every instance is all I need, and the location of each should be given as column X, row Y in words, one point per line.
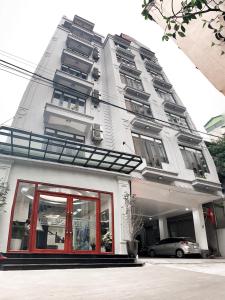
column 65, row 223
column 48, row 218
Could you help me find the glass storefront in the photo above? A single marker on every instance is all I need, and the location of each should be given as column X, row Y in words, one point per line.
column 50, row 218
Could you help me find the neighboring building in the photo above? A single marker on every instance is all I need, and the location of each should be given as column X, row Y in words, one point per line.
column 197, row 44
column 71, row 160
column 216, row 126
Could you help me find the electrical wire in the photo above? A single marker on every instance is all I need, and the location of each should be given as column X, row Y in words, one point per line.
column 35, row 77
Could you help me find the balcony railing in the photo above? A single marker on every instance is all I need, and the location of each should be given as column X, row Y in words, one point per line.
column 74, row 60
column 21, row 143
column 124, row 52
column 79, row 46
column 130, row 69
column 152, row 65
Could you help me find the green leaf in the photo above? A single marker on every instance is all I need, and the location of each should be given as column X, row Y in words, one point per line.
column 183, row 28
column 181, row 34
column 222, row 52
column 213, row 44
column 199, row 4
column 169, row 26
column 176, row 27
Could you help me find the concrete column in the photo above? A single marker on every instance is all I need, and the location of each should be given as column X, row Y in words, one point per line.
column 199, row 225
column 163, row 229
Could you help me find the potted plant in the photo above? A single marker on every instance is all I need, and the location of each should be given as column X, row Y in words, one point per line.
column 17, row 235
column 134, row 224
column 107, row 241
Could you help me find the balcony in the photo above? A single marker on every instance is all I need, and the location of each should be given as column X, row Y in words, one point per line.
column 73, row 60
column 82, row 33
column 118, row 39
column 72, row 84
column 28, row 145
column 79, row 46
column 152, row 65
column 126, row 53
column 188, row 137
column 159, row 174
column 130, row 69
column 173, row 106
column 64, row 118
column 206, row 185
column 147, row 53
column 83, row 23
column 146, row 125
column 160, row 83
column 134, row 94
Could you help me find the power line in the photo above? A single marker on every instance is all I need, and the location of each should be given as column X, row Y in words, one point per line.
column 45, row 79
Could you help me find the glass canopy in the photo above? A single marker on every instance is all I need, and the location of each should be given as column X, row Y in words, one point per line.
column 22, row 143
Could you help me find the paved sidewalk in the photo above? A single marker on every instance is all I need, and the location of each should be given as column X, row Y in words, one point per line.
column 208, row 266
column 151, row 282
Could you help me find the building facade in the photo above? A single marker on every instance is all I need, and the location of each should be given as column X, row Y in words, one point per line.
column 100, row 121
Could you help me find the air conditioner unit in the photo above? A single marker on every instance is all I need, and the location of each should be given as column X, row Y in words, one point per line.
column 96, row 54
column 97, row 133
column 96, row 96
column 96, row 73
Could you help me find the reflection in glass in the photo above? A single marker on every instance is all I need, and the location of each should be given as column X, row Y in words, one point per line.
column 106, row 222
column 51, row 222
column 84, row 225
column 21, row 218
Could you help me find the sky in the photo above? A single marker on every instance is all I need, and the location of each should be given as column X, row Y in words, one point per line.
column 27, row 26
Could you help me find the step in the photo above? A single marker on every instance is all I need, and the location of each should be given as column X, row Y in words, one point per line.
column 26, row 255
column 68, row 260
column 8, row 267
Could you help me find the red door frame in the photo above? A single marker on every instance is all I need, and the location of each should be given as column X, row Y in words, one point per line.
column 68, row 224
column 98, row 226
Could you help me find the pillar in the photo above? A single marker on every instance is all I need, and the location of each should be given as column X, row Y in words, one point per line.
column 199, row 226
column 163, row 229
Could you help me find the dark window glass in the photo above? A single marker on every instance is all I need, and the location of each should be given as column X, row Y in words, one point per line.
column 65, row 135
column 131, row 82
column 138, row 108
column 151, row 149
column 194, row 160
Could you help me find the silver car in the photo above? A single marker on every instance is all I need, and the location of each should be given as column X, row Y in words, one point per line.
column 176, row 246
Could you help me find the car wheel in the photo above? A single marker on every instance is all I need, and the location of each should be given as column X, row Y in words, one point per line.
column 179, row 253
column 152, row 253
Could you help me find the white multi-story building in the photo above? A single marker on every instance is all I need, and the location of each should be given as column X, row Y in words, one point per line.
column 216, row 127
column 94, row 107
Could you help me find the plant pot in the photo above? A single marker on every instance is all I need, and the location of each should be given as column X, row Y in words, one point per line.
column 15, row 244
column 132, row 248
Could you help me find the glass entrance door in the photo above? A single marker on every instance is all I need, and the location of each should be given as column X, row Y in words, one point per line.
column 51, row 222
column 64, row 223
column 84, row 233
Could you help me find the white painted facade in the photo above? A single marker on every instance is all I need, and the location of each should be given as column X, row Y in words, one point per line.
column 167, row 190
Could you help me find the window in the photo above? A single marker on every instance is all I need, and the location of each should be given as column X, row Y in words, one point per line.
column 68, row 101
column 151, row 149
column 178, row 121
column 138, row 107
column 73, row 72
column 127, row 62
column 131, row 82
column 194, row 160
column 165, row 95
column 155, row 75
column 121, row 45
column 65, row 135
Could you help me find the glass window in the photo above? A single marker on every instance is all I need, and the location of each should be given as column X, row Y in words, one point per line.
column 22, row 217
column 180, row 121
column 151, row 149
column 165, row 95
column 131, row 82
column 137, row 107
column 68, row 101
column 194, row 160
column 65, row 135
column 106, row 222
